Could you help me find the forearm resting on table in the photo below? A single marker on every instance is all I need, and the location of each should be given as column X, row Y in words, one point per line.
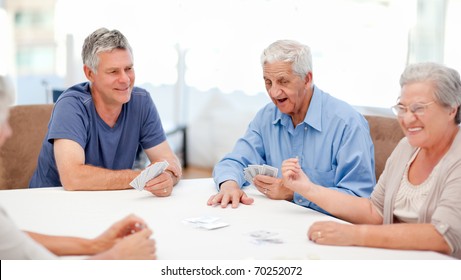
column 403, row 237
column 86, row 177
column 65, row 246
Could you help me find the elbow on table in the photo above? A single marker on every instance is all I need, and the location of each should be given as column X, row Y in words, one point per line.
column 71, row 184
column 71, row 187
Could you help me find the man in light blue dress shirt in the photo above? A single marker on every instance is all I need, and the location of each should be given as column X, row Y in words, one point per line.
column 329, row 137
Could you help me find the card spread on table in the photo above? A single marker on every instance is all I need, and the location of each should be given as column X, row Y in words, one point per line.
column 264, row 237
column 252, row 170
column 148, row 174
column 206, row 222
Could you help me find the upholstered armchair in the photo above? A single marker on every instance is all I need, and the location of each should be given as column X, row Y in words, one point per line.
column 19, row 154
column 386, row 134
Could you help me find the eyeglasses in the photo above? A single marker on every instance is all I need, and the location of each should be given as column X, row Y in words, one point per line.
column 415, row 108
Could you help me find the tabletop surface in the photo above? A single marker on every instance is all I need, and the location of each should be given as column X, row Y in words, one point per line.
column 88, row 213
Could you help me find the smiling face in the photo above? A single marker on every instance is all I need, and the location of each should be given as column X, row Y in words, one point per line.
column 429, row 129
column 113, row 81
column 289, row 92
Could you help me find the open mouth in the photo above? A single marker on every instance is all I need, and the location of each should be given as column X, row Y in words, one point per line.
column 281, row 100
column 414, row 129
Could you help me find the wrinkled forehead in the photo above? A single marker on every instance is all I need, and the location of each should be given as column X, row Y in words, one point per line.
column 417, row 92
column 116, row 58
column 277, row 69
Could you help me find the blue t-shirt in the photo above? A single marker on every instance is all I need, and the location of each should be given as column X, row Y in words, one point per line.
column 333, row 145
column 75, row 118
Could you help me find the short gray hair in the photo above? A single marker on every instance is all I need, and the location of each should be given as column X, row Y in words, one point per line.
column 289, row 51
column 446, row 81
column 102, row 40
column 6, row 97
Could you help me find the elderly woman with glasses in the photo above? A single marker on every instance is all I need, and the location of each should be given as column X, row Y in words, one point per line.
column 416, row 204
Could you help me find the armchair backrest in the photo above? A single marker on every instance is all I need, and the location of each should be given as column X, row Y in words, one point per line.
column 19, row 154
column 385, row 133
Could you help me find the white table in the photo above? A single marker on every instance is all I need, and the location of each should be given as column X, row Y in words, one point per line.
column 86, row 214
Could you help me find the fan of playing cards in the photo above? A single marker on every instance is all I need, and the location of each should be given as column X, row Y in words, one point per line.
column 252, row 170
column 148, row 174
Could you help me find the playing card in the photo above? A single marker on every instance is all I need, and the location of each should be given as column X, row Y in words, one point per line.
column 265, row 237
column 214, row 225
column 148, row 174
column 261, row 170
column 247, row 175
column 261, row 234
column 206, row 222
column 254, row 169
column 270, row 170
column 202, row 220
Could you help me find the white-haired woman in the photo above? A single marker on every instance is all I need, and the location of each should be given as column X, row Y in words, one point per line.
column 416, row 204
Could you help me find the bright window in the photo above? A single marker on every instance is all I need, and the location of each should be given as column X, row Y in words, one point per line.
column 360, row 47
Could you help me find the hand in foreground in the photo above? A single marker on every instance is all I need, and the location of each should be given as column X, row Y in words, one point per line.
column 230, row 193
column 137, row 246
column 128, row 238
column 333, row 233
column 294, row 177
column 272, row 187
column 128, row 225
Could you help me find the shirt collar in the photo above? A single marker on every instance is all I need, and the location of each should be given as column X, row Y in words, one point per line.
column 313, row 114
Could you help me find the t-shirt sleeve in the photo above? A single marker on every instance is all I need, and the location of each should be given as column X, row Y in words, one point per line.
column 152, row 132
column 69, row 121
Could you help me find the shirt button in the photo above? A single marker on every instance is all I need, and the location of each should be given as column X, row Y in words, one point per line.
column 300, row 201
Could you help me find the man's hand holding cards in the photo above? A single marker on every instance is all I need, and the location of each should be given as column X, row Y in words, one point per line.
column 252, row 170
column 269, row 184
column 148, row 174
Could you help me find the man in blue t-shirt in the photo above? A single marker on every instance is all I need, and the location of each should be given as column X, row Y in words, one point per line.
column 97, row 126
column 330, row 139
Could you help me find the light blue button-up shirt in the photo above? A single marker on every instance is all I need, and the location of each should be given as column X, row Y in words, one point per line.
column 333, row 145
